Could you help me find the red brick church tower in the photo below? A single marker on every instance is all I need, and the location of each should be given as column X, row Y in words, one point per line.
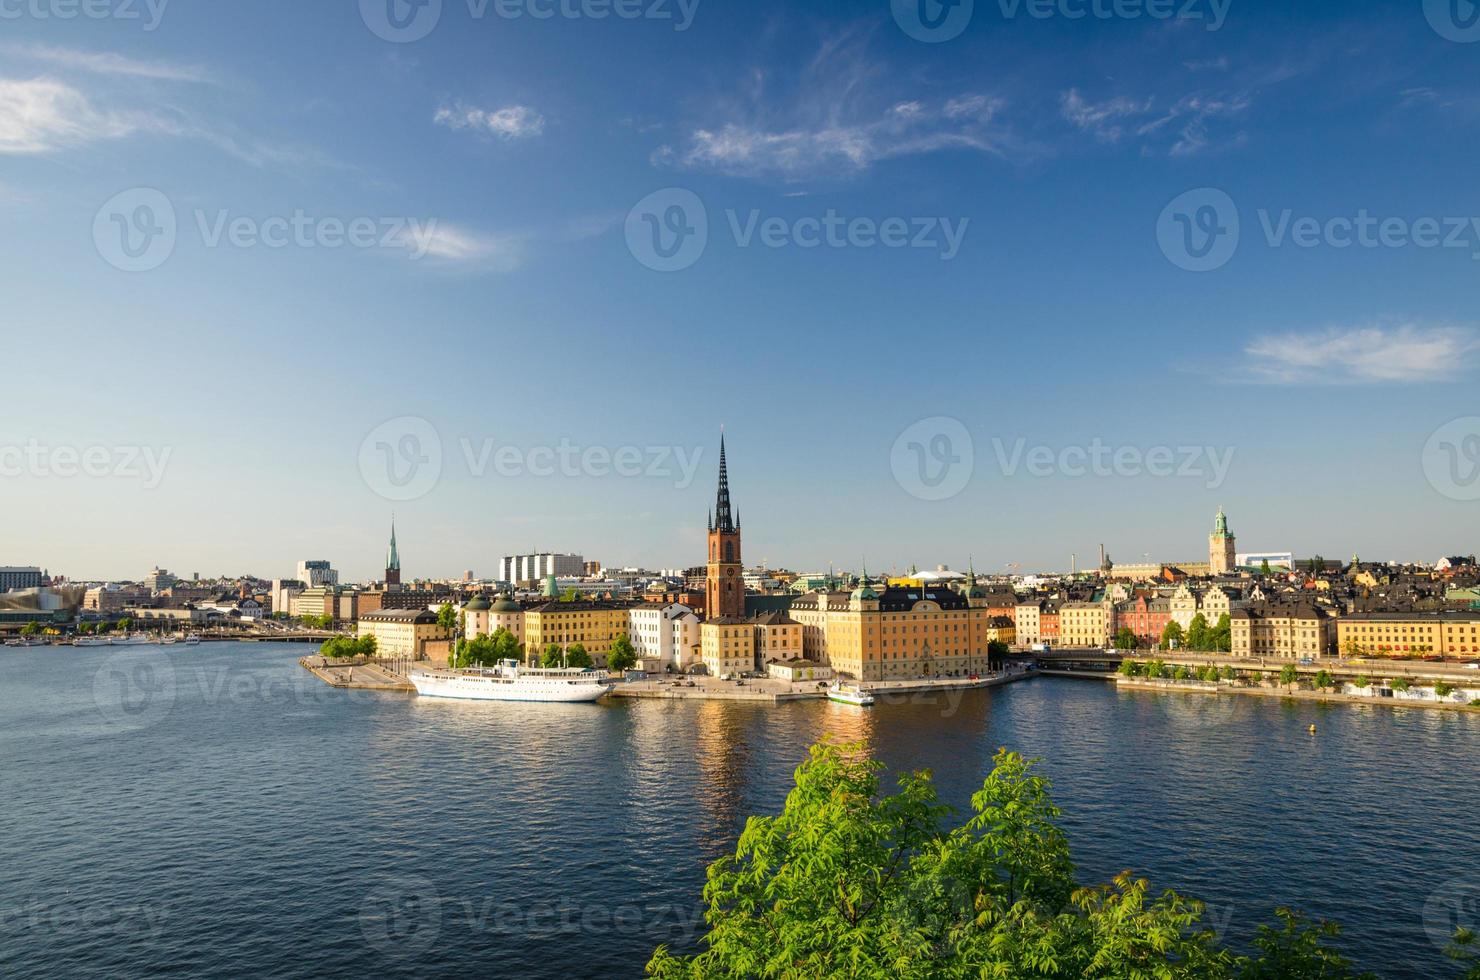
column 724, row 585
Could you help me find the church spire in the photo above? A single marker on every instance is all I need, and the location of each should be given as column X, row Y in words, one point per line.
column 723, row 520
column 392, row 556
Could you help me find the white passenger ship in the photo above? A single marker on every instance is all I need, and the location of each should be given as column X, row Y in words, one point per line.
column 511, row 682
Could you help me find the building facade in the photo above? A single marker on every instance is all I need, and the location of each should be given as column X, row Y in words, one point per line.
column 593, row 625
column 1281, row 631
column 522, row 569
column 316, row 573
column 17, row 578
column 401, row 632
column 1444, row 634
column 1222, row 552
column 727, row 646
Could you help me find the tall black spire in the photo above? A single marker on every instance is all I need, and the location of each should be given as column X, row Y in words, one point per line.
column 723, row 521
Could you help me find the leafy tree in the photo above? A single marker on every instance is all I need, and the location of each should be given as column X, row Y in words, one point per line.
column 576, row 656
column 447, row 617
column 1129, row 668
column 1221, row 636
column 1181, row 673
column 1465, row 951
column 1443, row 688
column 1197, row 633
column 848, row 883
column 1125, row 638
column 1400, row 684
column 1289, row 674
column 125, row 624
column 31, row 629
column 1156, row 670
column 1293, row 951
column 1324, row 680
column 480, row 651
column 552, row 657
column 998, row 651
column 1171, row 635
column 1264, row 567
column 570, row 595
column 341, row 647
column 621, row 656
column 1362, row 682
column 1229, row 674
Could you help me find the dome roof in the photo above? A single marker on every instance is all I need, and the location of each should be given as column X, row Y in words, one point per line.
column 505, row 605
column 479, row 604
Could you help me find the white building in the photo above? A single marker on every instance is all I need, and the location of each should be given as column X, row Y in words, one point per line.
column 535, row 568
column 316, row 573
column 664, row 636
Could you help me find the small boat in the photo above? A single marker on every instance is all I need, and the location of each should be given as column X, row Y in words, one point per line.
column 192, row 640
column 168, row 641
column 843, row 694
column 133, row 640
column 92, row 641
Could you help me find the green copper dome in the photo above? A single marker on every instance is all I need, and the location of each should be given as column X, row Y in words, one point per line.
column 505, row 605
column 863, row 592
column 478, row 604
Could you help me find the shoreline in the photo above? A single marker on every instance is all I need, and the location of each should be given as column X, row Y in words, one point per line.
column 1185, row 687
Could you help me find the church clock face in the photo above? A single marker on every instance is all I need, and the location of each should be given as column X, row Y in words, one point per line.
column 730, row 572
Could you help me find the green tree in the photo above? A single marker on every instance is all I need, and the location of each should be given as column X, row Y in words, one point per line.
column 1443, row 688
column 1197, row 633
column 1289, row 674
column 1264, row 567
column 552, row 657
column 1181, row 673
column 1293, row 951
column 848, row 883
column 570, row 595
column 1465, row 950
column 1399, row 684
column 1229, row 674
column 1324, row 680
column 447, row 617
column 1362, row 682
column 1171, row 635
column 576, row 656
column 621, row 656
column 1220, row 638
column 998, row 651
column 125, row 624
column 480, row 651
column 31, row 629
column 1129, row 668
column 1156, row 670
column 1125, row 638
column 341, row 647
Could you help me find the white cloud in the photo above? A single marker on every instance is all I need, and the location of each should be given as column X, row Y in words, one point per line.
column 1355, row 355
column 511, row 122
column 106, row 63
column 1185, row 122
column 38, row 115
column 453, row 245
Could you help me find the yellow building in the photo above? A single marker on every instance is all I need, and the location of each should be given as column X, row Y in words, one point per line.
column 1281, row 631
column 727, row 646
column 777, row 637
column 1000, row 629
column 594, row 625
column 897, row 633
column 1084, row 624
column 1454, row 634
column 401, row 632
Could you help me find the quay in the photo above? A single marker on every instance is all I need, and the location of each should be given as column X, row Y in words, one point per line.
column 355, row 674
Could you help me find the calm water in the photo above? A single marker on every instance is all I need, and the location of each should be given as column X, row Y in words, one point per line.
column 216, row 811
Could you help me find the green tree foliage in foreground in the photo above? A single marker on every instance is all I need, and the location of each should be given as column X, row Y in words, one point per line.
column 339, row 647
column 848, row 883
column 621, row 656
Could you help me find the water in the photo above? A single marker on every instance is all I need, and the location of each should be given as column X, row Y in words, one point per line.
column 215, row 810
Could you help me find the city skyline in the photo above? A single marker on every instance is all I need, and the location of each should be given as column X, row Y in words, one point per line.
column 1321, row 369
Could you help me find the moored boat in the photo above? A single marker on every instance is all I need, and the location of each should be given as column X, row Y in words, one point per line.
column 511, row 682
column 844, row 694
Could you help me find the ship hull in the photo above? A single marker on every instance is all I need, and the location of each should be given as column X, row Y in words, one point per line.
column 473, row 688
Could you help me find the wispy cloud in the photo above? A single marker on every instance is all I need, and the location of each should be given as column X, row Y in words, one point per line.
column 512, row 122
column 106, row 63
column 1182, row 128
column 840, row 113
column 451, row 245
column 39, row 115
column 1396, row 352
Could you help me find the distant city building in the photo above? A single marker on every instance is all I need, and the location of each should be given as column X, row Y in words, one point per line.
column 316, row 573
column 1221, row 551
column 1276, row 559
column 392, row 560
column 594, row 625
column 523, row 569
column 282, row 594
column 665, row 636
column 401, row 632
column 724, row 580
column 1447, row 634
column 113, row 598
column 14, row 578
column 482, row 617
column 1286, row 631
column 158, row 580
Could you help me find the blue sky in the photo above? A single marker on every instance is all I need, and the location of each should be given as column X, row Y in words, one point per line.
column 504, row 295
